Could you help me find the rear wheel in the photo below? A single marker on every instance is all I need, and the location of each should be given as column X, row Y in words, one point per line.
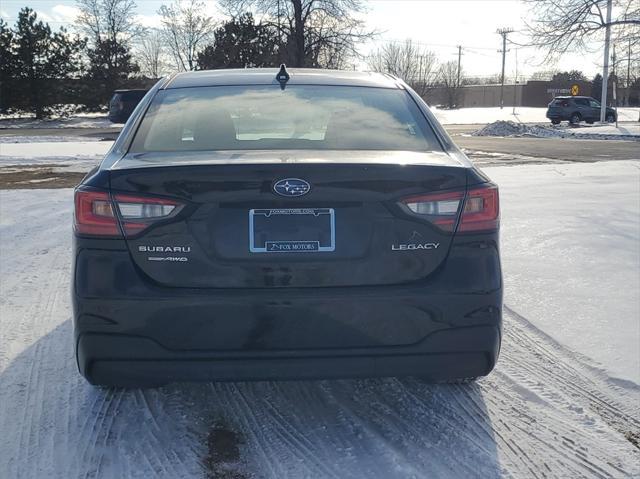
column 555, row 122
column 610, row 118
column 575, row 118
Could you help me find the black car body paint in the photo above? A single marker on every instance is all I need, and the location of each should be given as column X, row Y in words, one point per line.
column 385, row 302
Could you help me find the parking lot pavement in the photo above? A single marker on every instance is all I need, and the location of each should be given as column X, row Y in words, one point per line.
column 563, row 149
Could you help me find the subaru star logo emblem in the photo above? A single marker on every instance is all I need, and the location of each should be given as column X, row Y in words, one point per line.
column 291, row 187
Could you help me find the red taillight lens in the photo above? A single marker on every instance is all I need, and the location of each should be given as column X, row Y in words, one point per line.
column 96, row 213
column 440, row 208
column 481, row 210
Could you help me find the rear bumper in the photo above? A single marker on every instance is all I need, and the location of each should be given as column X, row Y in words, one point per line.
column 556, row 116
column 129, row 330
column 127, row 360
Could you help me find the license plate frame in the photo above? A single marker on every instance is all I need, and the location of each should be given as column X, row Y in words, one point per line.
column 300, row 245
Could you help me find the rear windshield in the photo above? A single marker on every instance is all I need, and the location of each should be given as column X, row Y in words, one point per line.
column 299, row 117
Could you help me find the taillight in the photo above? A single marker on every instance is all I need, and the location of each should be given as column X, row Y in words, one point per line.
column 98, row 215
column 441, row 208
column 94, row 214
column 480, row 209
column 138, row 212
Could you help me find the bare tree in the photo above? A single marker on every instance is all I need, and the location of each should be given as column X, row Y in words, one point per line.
column 112, row 20
column 448, row 78
column 151, row 55
column 312, row 33
column 569, row 25
column 414, row 64
column 185, row 30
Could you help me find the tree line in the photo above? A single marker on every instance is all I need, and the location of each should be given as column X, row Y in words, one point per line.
column 41, row 69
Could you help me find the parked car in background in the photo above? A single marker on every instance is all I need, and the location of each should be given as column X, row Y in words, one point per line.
column 122, row 104
column 575, row 109
column 256, row 224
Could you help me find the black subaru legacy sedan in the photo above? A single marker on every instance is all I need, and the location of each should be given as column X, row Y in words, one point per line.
column 274, row 224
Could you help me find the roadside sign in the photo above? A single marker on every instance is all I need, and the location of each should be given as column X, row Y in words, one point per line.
column 575, row 90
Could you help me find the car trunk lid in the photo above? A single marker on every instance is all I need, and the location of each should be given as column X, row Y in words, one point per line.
column 348, row 229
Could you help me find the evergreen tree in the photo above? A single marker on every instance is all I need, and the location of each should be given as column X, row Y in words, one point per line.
column 596, row 87
column 7, row 60
column 39, row 56
column 567, row 77
column 110, row 65
column 241, row 43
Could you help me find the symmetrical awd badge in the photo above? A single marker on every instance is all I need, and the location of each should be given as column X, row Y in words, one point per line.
column 291, row 187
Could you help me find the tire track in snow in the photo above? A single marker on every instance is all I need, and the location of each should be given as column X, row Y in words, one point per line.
column 54, row 424
column 570, row 373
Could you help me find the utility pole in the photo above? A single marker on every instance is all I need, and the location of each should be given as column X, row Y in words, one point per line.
column 503, row 32
column 605, row 69
column 460, row 61
column 614, row 84
column 515, row 86
column 628, row 89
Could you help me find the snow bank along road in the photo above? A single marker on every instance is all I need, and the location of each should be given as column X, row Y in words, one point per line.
column 549, row 409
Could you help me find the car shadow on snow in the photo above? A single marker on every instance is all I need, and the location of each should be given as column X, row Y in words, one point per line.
column 55, row 424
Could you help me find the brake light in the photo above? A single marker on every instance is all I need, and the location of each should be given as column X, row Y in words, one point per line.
column 94, row 214
column 99, row 215
column 480, row 211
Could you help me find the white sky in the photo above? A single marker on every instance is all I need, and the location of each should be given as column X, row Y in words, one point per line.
column 440, row 25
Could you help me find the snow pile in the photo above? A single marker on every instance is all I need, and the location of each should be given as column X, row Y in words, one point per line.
column 510, row 128
column 606, row 132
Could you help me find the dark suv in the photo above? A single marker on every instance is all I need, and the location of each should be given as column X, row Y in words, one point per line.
column 575, row 109
column 122, row 104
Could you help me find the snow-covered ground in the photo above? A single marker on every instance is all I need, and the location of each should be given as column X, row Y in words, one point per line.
column 44, row 139
column 571, row 256
column 75, row 155
column 553, row 407
column 467, row 116
column 78, row 120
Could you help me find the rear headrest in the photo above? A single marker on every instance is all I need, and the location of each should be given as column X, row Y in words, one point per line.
column 214, row 131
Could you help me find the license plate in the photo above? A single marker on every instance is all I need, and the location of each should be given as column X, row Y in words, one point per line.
column 294, row 230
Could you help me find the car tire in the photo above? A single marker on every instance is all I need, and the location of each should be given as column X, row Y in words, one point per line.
column 610, row 118
column 555, row 122
column 575, row 119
